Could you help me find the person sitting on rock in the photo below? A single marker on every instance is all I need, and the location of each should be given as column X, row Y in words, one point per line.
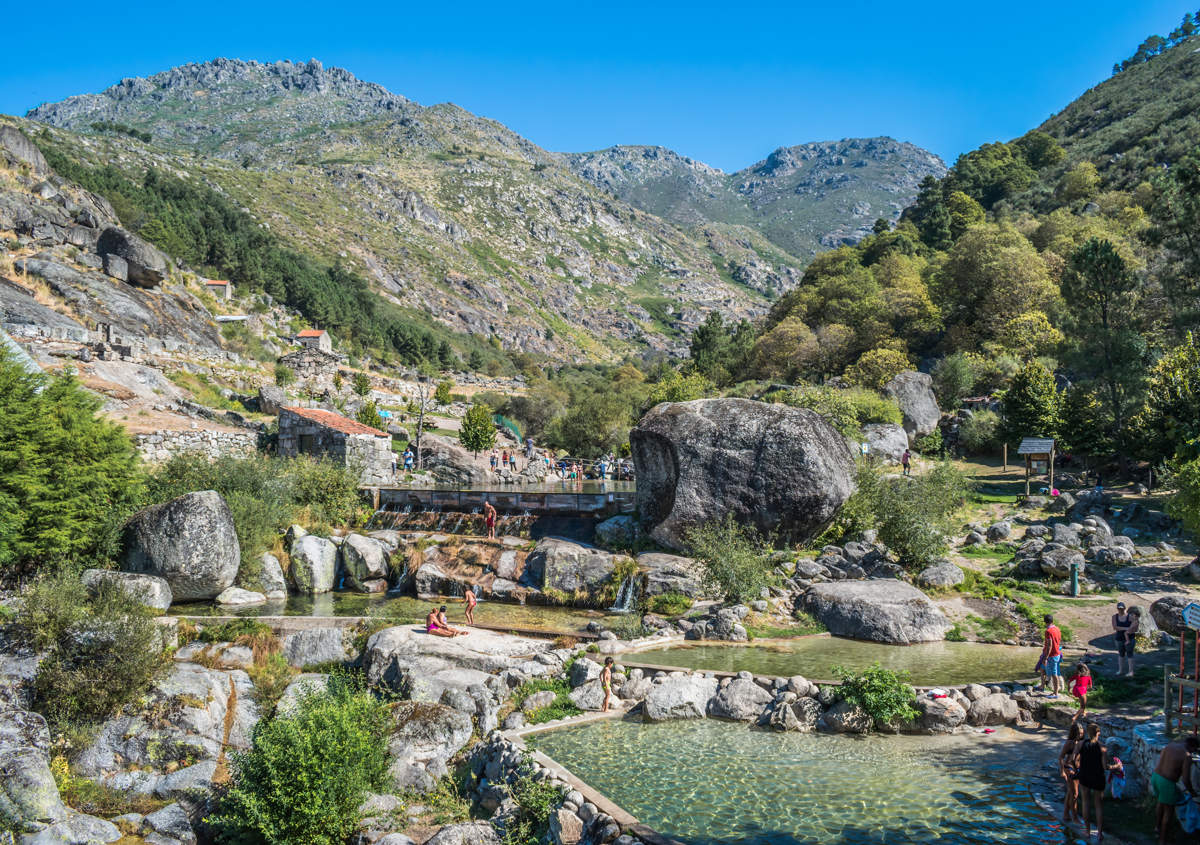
column 433, row 626
column 444, row 624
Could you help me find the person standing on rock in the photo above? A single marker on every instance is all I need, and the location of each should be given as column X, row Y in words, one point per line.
column 1174, row 762
column 489, row 519
column 606, row 682
column 1124, row 625
column 906, row 462
column 469, row 596
column 1052, row 655
column 493, row 460
column 1091, row 769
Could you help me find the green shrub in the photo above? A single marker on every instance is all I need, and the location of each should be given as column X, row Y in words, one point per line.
column 847, row 410
column 980, row 433
column 931, row 443
column 103, row 651
column 535, row 800
column 887, row 696
column 735, row 560
column 229, row 631
column 668, row 604
column 68, row 476
column 560, row 708
column 307, row 772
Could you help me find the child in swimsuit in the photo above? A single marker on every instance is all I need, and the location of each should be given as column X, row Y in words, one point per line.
column 471, row 602
column 1081, row 682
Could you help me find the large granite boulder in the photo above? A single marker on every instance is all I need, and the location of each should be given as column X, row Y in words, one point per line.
column 423, row 738
column 271, row 399
column 147, row 266
column 363, row 559
column 941, row 575
column 189, row 541
column 450, row 462
column 913, row 392
column 270, row 577
column 740, row 700
column 994, row 709
column 150, row 590
column 466, row 833
column 557, row 564
column 314, row 561
column 783, row 470
column 316, row 646
column 884, row 611
column 17, row 146
column 679, row 697
column 1167, row 612
column 938, row 715
column 886, row 441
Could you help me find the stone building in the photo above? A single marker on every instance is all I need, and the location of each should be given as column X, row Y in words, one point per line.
column 220, row 288
column 315, row 339
column 314, row 369
column 324, row 434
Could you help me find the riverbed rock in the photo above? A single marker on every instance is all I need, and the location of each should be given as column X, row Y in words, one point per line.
column 190, row 542
column 664, row 573
column 885, row 611
column 363, row 559
column 940, row 575
column 149, row 590
column 270, row 578
column 616, row 532
column 939, row 715
column 147, row 266
column 538, row 700
column 846, row 718
column 740, row 700
column 315, row 646
column 783, row 470
column 913, row 392
column 567, row 566
column 77, row 829
column 314, row 561
column 423, row 738
column 28, row 794
column 680, row 697
column 993, row 709
column 797, row 713
column 466, row 833
column 589, row 696
column 237, row 597
column 584, row 670
column 1056, row 562
column 172, row 821
column 886, row 441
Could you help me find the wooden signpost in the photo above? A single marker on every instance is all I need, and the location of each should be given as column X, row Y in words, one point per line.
column 1039, row 449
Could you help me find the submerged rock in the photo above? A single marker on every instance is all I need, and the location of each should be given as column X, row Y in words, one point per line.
column 778, row 468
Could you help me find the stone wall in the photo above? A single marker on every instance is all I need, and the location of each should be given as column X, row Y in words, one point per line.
column 314, row 369
column 370, row 454
column 161, row 446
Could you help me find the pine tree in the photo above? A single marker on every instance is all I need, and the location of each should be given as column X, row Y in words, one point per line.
column 478, row 432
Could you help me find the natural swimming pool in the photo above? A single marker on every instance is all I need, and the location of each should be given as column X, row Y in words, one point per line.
column 707, row 782
column 816, row 657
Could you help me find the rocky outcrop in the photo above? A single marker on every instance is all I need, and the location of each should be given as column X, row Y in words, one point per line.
column 941, row 575
column 1167, row 612
column 886, row 441
column 567, row 566
column 144, row 265
column 913, row 392
column 679, row 697
column 885, row 611
column 423, row 739
column 450, row 462
column 364, row 559
column 316, row 646
column 783, row 470
column 150, row 590
column 663, row 573
column 190, row 542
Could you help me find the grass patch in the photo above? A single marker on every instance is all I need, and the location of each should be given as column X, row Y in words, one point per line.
column 561, row 708
column 804, row 625
column 96, row 799
column 983, row 497
column 227, row 632
column 669, row 604
column 998, row 553
column 996, row 628
column 1108, row 691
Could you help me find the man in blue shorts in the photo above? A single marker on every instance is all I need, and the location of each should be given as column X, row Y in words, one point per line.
column 1052, row 655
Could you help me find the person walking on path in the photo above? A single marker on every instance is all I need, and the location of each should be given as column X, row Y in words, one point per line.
column 489, row 519
column 1052, row 655
column 1174, row 762
column 1066, row 768
column 906, row 462
column 1124, row 627
column 606, row 682
column 1081, row 682
column 469, row 596
column 1091, row 767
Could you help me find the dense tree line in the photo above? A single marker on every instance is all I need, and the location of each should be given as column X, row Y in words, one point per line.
column 1156, row 44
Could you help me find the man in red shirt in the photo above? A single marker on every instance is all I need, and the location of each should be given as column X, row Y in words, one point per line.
column 1052, row 655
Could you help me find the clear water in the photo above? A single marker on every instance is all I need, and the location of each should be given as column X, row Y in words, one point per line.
column 707, row 782
column 815, row 657
column 564, row 620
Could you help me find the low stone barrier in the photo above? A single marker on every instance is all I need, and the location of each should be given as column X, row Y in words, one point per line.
column 161, row 446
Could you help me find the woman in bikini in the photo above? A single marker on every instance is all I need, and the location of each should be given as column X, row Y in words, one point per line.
column 469, row 595
column 433, row 626
column 444, row 624
column 606, row 682
column 1066, row 767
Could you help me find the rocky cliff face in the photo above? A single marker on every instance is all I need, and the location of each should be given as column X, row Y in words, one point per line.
column 447, row 212
column 803, row 198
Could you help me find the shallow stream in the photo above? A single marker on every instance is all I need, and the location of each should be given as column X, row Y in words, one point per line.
column 708, row 782
column 816, row 657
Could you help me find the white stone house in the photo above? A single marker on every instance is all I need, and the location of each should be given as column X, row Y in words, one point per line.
column 316, row 339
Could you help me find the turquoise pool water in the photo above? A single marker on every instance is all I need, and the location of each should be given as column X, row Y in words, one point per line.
column 815, row 657
column 707, row 782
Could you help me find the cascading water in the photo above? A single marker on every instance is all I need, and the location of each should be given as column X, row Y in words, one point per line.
column 626, row 595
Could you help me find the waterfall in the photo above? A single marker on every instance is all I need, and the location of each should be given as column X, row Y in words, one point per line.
column 626, row 595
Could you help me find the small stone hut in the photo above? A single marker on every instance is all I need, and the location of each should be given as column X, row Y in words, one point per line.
column 220, row 288
column 324, row 434
column 316, row 339
column 313, row 368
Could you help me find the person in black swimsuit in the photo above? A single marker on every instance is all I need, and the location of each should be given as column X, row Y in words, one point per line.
column 1123, row 628
column 1091, row 765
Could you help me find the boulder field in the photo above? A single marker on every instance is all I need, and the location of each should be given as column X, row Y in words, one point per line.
column 780, row 469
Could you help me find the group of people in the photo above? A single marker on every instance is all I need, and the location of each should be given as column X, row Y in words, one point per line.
column 503, row 460
column 437, row 624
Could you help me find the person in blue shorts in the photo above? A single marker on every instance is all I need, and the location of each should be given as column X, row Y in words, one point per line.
column 1052, row 655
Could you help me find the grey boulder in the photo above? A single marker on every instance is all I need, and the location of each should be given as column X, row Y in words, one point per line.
column 363, row 559
column 740, row 700
column 189, row 541
column 150, row 590
column 314, row 562
column 994, row 709
column 884, row 611
column 780, row 469
column 679, row 697
column 424, row 737
column 886, row 441
column 147, row 266
column 316, row 646
column 913, row 392
column 558, row 564
column 940, row 575
column 663, row 573
column 466, row 833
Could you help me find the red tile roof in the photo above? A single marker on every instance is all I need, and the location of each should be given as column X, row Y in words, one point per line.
column 311, row 333
column 216, row 282
column 336, row 421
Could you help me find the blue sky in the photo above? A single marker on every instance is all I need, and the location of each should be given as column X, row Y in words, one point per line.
column 724, row 83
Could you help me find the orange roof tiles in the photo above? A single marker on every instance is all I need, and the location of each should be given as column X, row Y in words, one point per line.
column 336, row 421
column 216, row 282
column 311, row 333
